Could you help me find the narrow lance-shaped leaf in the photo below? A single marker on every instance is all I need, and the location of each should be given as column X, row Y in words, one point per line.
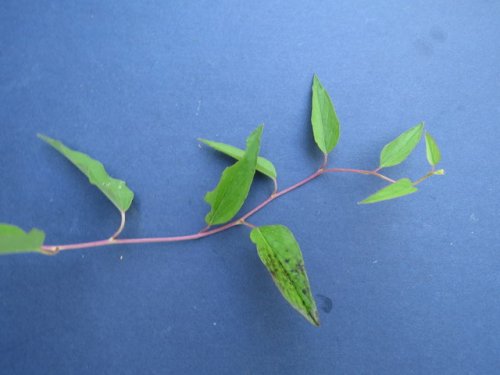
column 279, row 251
column 325, row 124
column 399, row 149
column 116, row 190
column 264, row 166
column 432, row 150
column 233, row 187
column 14, row 240
column 398, row 189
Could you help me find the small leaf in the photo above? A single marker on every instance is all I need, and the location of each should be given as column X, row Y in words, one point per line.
column 279, row 251
column 14, row 240
column 264, row 166
column 398, row 189
column 233, row 187
column 439, row 172
column 400, row 148
column 432, row 150
column 325, row 124
column 116, row 190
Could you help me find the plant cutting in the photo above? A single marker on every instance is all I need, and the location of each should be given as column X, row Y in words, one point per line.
column 276, row 245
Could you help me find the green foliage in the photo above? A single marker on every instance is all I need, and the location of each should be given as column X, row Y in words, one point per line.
column 14, row 240
column 116, row 190
column 276, row 245
column 233, row 187
column 279, row 251
column 325, row 124
column 432, row 150
column 399, row 149
column 264, row 166
column 398, row 189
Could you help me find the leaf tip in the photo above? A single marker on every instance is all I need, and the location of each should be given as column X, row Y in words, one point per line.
column 316, row 81
column 364, row 201
column 50, row 141
column 43, row 137
column 420, row 127
column 314, row 318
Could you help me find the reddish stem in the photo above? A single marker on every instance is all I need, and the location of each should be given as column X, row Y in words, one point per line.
column 205, row 232
column 361, row 171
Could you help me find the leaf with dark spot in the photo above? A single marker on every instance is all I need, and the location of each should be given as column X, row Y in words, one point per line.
column 280, row 253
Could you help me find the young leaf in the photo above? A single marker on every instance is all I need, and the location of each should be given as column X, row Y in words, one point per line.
column 116, row 190
column 279, row 251
column 14, row 240
column 264, row 166
column 432, row 150
column 399, row 149
column 233, row 187
column 398, row 189
column 325, row 124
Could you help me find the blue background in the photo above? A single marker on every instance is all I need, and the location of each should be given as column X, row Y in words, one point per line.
column 413, row 283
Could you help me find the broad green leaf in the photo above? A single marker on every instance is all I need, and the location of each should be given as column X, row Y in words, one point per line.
column 325, row 124
column 116, row 190
column 14, row 240
column 432, row 150
column 279, row 251
column 264, row 166
column 399, row 149
column 233, row 187
column 398, row 189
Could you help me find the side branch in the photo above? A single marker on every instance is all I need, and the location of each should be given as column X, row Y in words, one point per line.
column 360, row 171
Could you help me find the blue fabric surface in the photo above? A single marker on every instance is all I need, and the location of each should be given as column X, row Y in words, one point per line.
column 409, row 286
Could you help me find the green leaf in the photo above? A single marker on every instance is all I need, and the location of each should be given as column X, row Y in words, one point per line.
column 432, row 150
column 264, row 166
column 400, row 148
column 14, row 240
column 233, row 187
column 398, row 189
column 279, row 251
column 325, row 124
column 116, row 190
